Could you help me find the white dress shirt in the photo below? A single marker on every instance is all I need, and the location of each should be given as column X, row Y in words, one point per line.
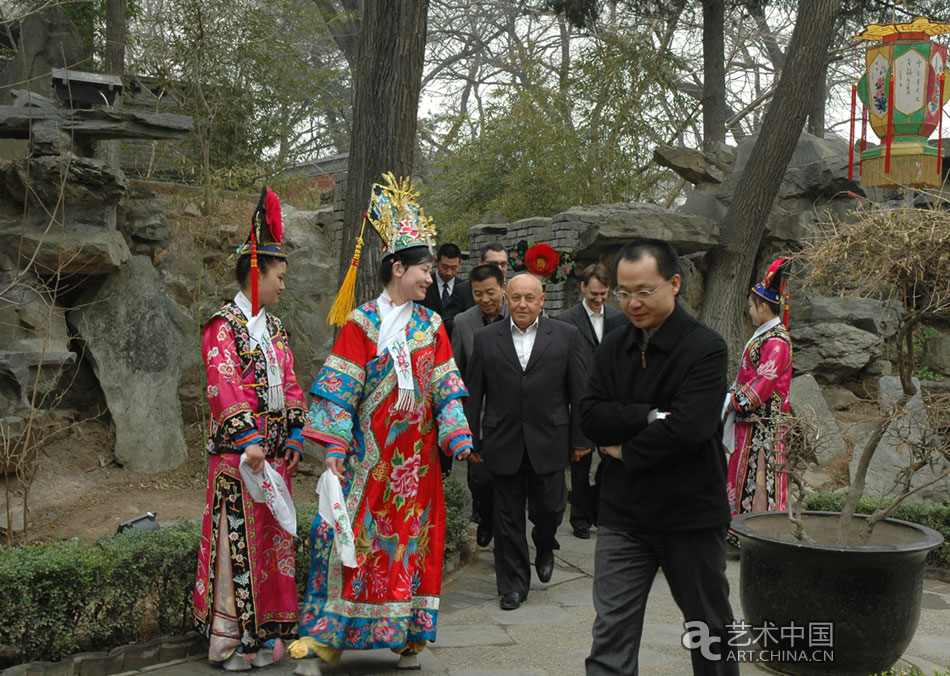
column 524, row 341
column 596, row 320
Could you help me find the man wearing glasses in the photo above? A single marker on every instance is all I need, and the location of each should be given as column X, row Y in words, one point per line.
column 653, row 406
column 494, row 253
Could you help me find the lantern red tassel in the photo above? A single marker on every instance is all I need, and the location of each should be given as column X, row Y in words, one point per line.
column 854, row 97
column 890, row 122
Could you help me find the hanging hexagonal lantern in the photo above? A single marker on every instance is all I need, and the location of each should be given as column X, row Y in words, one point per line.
column 903, row 94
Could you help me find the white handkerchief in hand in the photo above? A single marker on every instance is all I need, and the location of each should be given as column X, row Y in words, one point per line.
column 728, row 425
column 268, row 486
column 333, row 513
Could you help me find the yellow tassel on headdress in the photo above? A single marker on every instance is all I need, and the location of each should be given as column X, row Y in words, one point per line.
column 346, row 297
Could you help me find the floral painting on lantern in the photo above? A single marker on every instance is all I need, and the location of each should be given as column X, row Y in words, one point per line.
column 877, row 77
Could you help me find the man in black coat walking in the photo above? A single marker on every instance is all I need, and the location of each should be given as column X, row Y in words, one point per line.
column 528, row 374
column 653, row 405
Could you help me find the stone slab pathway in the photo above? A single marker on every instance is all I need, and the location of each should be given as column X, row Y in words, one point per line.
column 550, row 634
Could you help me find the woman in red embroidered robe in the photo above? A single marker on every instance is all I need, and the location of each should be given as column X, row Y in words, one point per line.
column 245, row 596
column 388, row 398
column 757, row 403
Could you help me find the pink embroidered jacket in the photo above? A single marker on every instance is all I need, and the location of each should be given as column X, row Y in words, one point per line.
column 237, row 380
column 765, row 377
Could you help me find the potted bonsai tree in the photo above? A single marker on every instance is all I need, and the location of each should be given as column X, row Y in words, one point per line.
column 859, row 578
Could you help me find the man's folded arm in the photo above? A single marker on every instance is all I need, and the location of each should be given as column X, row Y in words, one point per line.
column 694, row 414
column 604, row 419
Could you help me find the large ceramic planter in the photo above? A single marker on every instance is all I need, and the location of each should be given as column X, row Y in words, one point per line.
column 870, row 594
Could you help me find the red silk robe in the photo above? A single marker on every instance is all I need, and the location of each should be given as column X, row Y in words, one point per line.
column 393, row 488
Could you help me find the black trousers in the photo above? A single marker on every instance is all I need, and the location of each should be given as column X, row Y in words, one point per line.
column 546, row 497
column 480, row 486
column 694, row 563
column 584, row 495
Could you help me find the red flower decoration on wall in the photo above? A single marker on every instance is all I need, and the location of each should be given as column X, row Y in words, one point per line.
column 541, row 259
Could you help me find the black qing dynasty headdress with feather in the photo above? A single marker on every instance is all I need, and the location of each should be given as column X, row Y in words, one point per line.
column 266, row 238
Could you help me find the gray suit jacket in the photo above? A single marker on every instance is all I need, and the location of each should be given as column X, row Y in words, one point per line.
column 463, row 335
column 577, row 316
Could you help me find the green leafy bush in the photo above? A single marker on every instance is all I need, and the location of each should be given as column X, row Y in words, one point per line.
column 936, row 516
column 67, row 597
column 64, row 597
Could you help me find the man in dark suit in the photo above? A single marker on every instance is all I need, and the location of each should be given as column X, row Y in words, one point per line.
column 594, row 319
column 488, row 289
column 527, row 376
column 448, row 295
column 654, row 404
column 487, row 282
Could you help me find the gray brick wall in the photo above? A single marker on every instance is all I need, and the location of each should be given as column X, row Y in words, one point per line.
column 561, row 232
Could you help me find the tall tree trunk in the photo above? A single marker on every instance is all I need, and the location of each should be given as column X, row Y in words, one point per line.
column 714, row 73
column 772, row 48
column 343, row 22
column 115, row 36
column 816, row 111
column 388, row 80
column 730, row 263
column 110, row 151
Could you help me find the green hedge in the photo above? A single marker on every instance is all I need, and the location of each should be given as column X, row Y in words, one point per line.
column 932, row 515
column 66, row 597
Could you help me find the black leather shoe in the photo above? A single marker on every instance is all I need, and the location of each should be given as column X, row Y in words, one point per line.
column 583, row 533
column 544, row 564
column 483, row 534
column 512, row 601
